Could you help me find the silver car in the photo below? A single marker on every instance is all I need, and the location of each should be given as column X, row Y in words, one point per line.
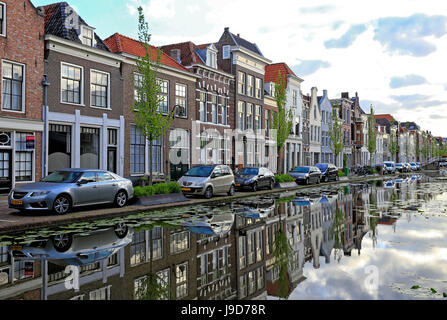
column 65, row 189
column 208, row 180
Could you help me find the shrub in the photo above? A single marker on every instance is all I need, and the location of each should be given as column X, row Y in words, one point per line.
column 161, row 188
column 149, row 191
column 281, row 178
column 174, row 187
column 341, row 174
column 139, row 192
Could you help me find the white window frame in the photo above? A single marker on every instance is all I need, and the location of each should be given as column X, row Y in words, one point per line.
column 108, row 90
column 3, row 34
column 226, row 52
column 23, row 87
column 33, row 158
column 83, row 27
column 107, row 292
column 179, row 84
column 81, row 84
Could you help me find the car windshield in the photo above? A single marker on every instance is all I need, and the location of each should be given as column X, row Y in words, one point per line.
column 388, row 164
column 200, row 172
column 413, row 164
column 62, row 177
column 398, row 164
column 249, row 172
column 301, row 170
column 322, row 167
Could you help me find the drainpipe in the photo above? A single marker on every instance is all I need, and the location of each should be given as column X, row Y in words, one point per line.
column 45, row 85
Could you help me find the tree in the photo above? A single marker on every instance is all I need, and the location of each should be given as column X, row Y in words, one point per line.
column 149, row 119
column 393, row 147
column 336, row 133
column 372, row 135
column 282, row 120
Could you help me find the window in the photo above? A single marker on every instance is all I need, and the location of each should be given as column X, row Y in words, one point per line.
column 251, row 248
column 225, row 111
column 104, row 176
column 202, row 107
column 87, row 36
column 179, row 242
column 157, row 151
column 3, row 19
column 164, row 92
column 90, row 147
column 258, row 88
column 13, row 87
column 243, row 286
column 211, row 59
column 251, row 283
column 71, row 78
column 242, row 252
column 241, row 115
column 90, row 177
column 250, row 116
column 59, row 147
column 295, row 97
column 213, row 108
column 226, row 52
column 99, row 89
column 250, row 86
column 100, row 294
column 138, row 248
column 258, row 118
column 272, row 89
column 24, row 158
column 180, row 100
column 260, row 277
column 137, row 84
column 181, row 281
column 157, row 243
column 267, row 120
column 241, row 83
column 137, row 148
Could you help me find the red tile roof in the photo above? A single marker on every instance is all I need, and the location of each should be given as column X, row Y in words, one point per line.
column 271, row 71
column 385, row 116
column 49, row 10
column 188, row 55
column 122, row 44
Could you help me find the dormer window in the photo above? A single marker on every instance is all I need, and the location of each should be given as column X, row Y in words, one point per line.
column 87, row 36
column 272, row 89
column 211, row 59
column 2, row 19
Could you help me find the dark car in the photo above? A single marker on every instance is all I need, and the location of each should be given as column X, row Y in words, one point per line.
column 254, row 178
column 328, row 172
column 306, row 175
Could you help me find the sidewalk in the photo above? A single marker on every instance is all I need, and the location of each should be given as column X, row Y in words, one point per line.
column 12, row 221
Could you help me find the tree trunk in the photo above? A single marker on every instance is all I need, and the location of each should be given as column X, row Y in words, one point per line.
column 278, row 165
column 150, row 159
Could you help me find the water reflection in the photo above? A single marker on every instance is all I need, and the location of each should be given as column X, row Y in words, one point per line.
column 305, row 245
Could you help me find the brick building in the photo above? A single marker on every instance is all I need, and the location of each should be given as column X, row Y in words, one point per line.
column 171, row 156
column 21, row 126
column 214, row 112
column 85, row 125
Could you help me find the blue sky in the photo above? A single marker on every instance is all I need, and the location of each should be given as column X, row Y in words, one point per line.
column 390, row 52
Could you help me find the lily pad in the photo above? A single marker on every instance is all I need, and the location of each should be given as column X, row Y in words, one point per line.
column 433, row 290
column 415, row 287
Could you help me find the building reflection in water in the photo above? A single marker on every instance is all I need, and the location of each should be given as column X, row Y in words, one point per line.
column 229, row 255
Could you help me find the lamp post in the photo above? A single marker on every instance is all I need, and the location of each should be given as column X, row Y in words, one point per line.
column 45, row 85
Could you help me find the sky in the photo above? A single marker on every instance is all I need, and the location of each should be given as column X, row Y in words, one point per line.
column 391, row 52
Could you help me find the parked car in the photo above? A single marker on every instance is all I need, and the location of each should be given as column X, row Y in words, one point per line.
column 328, row 172
column 413, row 166
column 254, row 178
column 208, row 180
column 65, row 189
column 408, row 166
column 418, row 164
column 77, row 249
column 400, row 167
column 389, row 167
column 306, row 175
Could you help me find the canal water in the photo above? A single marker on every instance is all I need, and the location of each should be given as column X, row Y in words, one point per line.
column 370, row 240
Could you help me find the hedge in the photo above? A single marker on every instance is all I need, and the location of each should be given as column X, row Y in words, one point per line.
column 281, row 178
column 159, row 188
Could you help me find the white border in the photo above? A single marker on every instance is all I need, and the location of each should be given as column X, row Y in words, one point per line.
column 23, row 87
column 108, row 90
column 81, row 104
column 4, row 20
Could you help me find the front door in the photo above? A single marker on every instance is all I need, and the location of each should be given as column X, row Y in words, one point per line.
column 5, row 171
column 111, row 159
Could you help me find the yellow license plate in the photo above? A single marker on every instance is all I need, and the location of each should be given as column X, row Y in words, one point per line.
column 16, row 247
column 17, row 202
column 238, row 185
column 186, row 189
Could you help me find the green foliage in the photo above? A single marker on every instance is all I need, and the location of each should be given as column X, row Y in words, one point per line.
column 415, row 287
column 282, row 251
column 372, row 135
column 150, row 122
column 393, row 147
column 337, row 232
column 159, row 188
column 153, row 287
column 433, row 290
column 341, row 173
column 336, row 133
column 281, row 178
column 282, row 119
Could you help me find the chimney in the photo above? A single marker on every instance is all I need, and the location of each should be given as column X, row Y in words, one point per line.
column 324, row 92
column 345, row 95
column 226, row 29
column 239, row 35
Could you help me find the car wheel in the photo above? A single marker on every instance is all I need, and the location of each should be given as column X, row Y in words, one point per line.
column 326, row 179
column 62, row 242
column 121, row 230
column 62, row 205
column 255, row 187
column 318, row 181
column 209, row 193
column 231, row 192
column 307, row 181
column 272, row 185
column 121, row 199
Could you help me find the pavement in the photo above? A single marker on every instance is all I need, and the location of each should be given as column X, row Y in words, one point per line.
column 12, row 220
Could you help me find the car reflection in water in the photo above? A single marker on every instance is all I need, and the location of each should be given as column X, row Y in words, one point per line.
column 213, row 225
column 78, row 249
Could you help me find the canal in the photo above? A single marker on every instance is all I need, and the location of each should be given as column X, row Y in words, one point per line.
column 365, row 240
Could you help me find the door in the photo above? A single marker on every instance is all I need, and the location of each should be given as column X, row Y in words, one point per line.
column 87, row 191
column 218, row 180
column 5, row 171
column 263, row 178
column 107, row 186
column 229, row 178
column 111, row 159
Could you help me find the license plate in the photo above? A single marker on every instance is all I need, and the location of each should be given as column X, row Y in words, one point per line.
column 17, row 202
column 238, row 184
column 16, row 247
column 186, row 189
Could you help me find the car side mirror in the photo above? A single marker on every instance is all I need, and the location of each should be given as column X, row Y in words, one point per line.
column 82, row 182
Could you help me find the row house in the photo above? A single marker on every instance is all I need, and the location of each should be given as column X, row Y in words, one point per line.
column 344, row 106
column 171, row 153
column 21, row 127
column 294, row 103
column 327, row 154
column 271, row 150
column 358, row 124
column 214, row 110
column 315, row 127
column 84, row 122
column 388, row 125
column 246, row 63
column 307, row 161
